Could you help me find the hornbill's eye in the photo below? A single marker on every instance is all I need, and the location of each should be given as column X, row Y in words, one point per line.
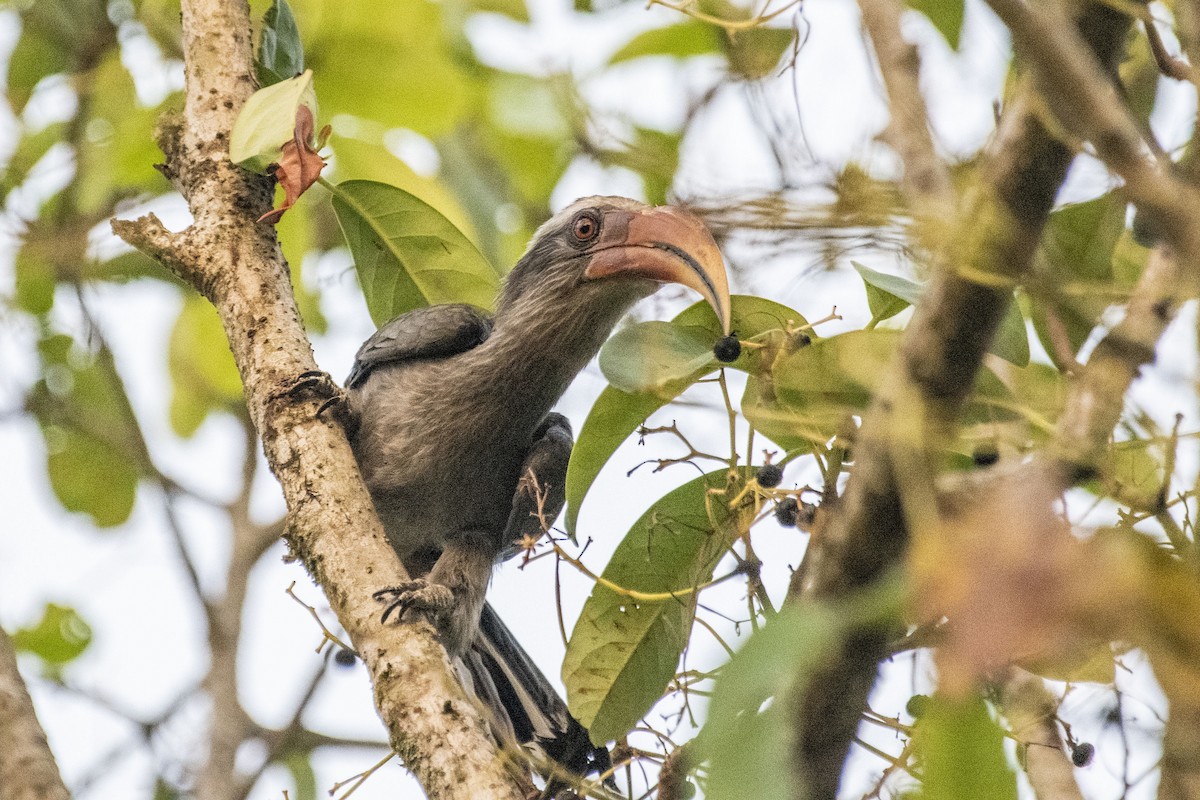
column 585, row 227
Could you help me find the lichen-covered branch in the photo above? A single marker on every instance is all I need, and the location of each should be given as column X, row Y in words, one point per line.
column 332, row 528
column 27, row 767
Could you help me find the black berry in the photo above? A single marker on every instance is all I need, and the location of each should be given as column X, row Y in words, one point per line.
column 786, row 511
column 799, row 340
column 917, row 705
column 344, row 657
column 806, row 515
column 727, row 349
column 1081, row 754
column 985, row 455
column 687, row 791
column 769, row 475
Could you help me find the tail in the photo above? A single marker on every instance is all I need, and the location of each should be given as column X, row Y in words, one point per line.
column 526, row 707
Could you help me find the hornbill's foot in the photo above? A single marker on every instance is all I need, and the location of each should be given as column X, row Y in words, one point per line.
column 319, row 383
column 432, row 599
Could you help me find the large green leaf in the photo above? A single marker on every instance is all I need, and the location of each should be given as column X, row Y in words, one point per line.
column 681, row 40
column 280, row 51
column 962, row 751
column 750, row 722
column 407, row 255
column 623, row 652
column 756, row 53
column 616, row 414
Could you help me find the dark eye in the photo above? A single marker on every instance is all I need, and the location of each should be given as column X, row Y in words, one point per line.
column 585, row 227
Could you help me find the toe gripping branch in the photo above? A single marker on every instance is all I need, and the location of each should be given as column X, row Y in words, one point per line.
column 417, row 595
column 334, row 399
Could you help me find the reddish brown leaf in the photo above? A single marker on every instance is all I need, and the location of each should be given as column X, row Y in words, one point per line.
column 299, row 165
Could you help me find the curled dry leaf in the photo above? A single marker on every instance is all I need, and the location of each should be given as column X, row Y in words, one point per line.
column 299, row 165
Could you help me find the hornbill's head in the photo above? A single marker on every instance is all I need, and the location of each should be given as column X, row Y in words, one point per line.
column 613, row 251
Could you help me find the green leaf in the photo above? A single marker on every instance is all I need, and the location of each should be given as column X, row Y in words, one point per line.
column 1077, row 247
column 280, row 51
column 623, row 652
column 962, row 750
column 651, row 356
column 616, row 414
column 749, row 726
column 300, row 765
column 1012, row 337
column 204, row 377
column 268, row 120
column 93, row 447
column 408, row 255
column 423, row 84
column 681, row 40
column 755, row 53
column 946, row 16
column 887, row 295
column 60, row 636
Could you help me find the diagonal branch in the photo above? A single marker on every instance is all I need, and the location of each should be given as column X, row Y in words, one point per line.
column 27, row 767
column 332, row 527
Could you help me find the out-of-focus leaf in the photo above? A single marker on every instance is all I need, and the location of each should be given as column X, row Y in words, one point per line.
column 267, row 121
column 57, row 36
column 681, row 40
column 523, row 105
column 887, row 295
column 1011, row 341
column 280, row 51
column 35, row 282
column 1077, row 247
column 746, row 736
column 1136, row 467
column 204, row 378
column 422, row 85
column 946, row 16
column 616, row 414
column 623, row 652
column 300, row 765
column 962, row 750
column 654, row 155
column 59, row 637
column 93, row 448
column 117, row 153
column 755, row 53
column 407, row 255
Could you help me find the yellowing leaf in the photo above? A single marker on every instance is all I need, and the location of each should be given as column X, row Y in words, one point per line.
column 267, row 121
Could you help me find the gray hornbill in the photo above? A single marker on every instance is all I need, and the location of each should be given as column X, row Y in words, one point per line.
column 448, row 413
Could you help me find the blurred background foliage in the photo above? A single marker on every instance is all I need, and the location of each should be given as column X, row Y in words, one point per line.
column 417, row 100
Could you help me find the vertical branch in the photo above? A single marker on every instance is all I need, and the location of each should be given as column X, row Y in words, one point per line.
column 27, row 767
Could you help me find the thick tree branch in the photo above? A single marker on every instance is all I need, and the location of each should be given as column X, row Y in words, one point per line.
column 920, row 401
column 27, row 767
column 236, row 263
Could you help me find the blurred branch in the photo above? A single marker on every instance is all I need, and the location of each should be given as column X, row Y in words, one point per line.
column 926, row 182
column 1032, row 714
column 920, row 401
column 333, row 529
column 27, row 767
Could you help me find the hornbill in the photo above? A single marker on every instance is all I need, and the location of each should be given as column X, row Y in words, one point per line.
column 448, row 413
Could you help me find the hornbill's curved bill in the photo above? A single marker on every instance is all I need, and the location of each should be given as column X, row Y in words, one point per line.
column 675, row 247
